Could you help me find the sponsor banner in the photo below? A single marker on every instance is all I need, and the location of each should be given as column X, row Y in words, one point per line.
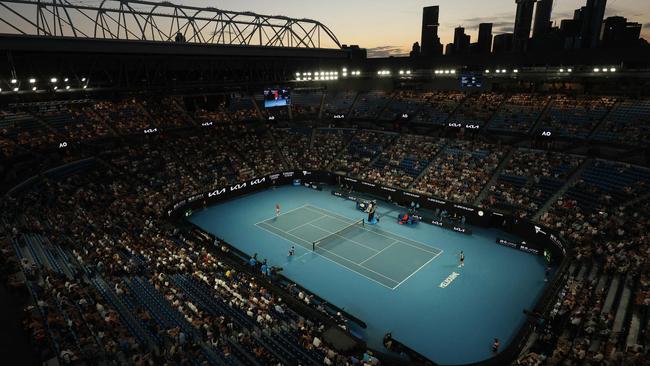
column 469, row 209
column 411, row 194
column 388, row 189
column 350, row 180
column 523, row 246
column 539, row 230
column 287, row 174
column 435, row 200
column 368, row 184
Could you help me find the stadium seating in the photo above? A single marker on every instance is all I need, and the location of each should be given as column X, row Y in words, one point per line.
column 518, row 113
column 629, row 123
column 111, row 280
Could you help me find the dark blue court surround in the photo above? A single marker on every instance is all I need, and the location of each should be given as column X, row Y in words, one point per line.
column 449, row 321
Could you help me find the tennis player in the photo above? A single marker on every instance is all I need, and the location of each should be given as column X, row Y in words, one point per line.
column 461, row 259
column 277, row 209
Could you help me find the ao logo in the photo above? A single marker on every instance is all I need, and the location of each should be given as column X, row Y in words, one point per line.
column 63, row 144
column 546, row 133
column 449, row 279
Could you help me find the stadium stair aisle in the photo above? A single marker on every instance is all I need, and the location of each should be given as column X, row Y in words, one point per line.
column 568, row 184
column 495, row 177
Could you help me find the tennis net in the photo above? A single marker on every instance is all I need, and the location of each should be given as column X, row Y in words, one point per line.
column 329, row 237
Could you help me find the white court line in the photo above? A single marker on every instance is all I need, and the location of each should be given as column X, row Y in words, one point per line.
column 418, row 270
column 299, row 226
column 399, row 236
column 282, row 214
column 341, row 236
column 320, row 255
column 376, row 254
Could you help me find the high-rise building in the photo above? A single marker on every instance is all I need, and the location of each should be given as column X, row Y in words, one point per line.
column 430, row 43
column 484, row 38
column 618, row 32
column 523, row 23
column 461, row 40
column 592, row 21
column 543, row 24
column 502, row 43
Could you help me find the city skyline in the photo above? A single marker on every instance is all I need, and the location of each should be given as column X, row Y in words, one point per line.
column 392, row 27
column 388, row 28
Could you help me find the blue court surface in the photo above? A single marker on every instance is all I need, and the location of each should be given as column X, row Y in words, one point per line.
column 397, row 278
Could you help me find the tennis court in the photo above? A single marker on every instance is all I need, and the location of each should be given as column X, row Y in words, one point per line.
column 378, row 255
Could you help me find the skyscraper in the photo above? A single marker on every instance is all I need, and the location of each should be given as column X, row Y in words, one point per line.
column 592, row 21
column 485, row 37
column 523, row 23
column 502, row 43
column 543, row 12
column 461, row 40
column 430, row 42
column 618, row 32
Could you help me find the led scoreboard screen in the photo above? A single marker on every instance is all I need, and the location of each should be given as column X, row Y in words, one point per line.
column 276, row 98
column 471, row 80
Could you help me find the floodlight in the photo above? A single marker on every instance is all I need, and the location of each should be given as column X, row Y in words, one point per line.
column 613, row 69
column 14, row 81
column 15, row 89
column 53, row 80
column 596, row 69
column 67, row 87
column 32, row 81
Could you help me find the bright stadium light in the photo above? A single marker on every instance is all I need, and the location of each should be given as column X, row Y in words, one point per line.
column 408, row 72
column 55, row 87
column 15, row 89
column 569, row 70
column 446, row 71
column 503, row 71
column 297, row 74
column 33, row 88
column 613, row 69
column 561, row 70
column 83, row 80
column 452, row 71
column 14, row 81
column 498, row 71
column 85, row 86
column 53, row 80
column 487, row 71
column 596, row 69
column 515, row 71
column 67, row 87
column 32, row 81
column 65, row 80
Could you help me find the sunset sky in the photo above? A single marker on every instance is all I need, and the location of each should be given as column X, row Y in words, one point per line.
column 390, row 27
